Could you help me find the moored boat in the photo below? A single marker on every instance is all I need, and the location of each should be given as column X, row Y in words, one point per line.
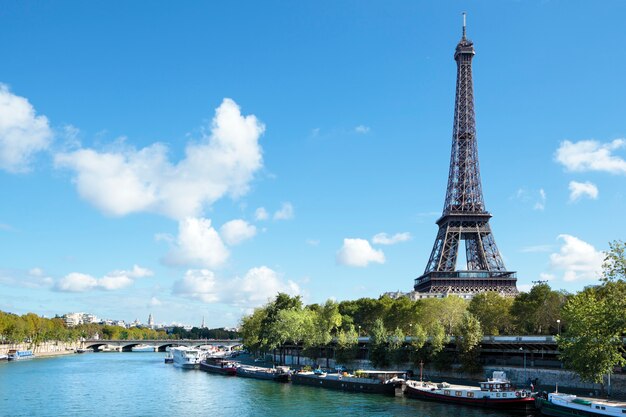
column 377, row 382
column 278, row 374
column 187, row 358
column 556, row 404
column 496, row 392
column 169, row 357
column 219, row 366
column 15, row 354
column 4, row 357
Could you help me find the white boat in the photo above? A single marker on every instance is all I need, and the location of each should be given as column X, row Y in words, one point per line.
column 142, row 348
column 4, row 357
column 557, row 404
column 496, row 392
column 15, row 355
column 188, row 358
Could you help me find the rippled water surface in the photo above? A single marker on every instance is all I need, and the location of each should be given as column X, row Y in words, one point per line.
column 140, row 384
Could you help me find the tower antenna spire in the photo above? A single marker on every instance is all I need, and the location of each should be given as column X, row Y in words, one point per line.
column 464, row 25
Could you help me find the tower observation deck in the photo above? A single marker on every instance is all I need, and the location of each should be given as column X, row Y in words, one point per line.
column 464, row 217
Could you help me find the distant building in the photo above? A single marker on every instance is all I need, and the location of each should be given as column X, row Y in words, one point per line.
column 75, row 319
column 150, row 321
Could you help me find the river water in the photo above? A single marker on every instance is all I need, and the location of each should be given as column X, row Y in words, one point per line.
column 140, row 384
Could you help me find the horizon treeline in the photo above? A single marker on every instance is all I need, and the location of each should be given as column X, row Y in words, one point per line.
column 33, row 329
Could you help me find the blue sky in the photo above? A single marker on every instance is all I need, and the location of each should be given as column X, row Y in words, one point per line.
column 139, row 142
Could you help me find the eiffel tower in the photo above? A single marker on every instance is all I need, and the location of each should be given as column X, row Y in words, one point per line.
column 464, row 216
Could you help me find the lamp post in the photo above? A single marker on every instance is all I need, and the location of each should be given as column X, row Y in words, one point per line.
column 522, row 350
column 359, row 330
column 558, row 323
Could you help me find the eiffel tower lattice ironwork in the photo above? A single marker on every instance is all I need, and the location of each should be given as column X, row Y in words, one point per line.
column 464, row 216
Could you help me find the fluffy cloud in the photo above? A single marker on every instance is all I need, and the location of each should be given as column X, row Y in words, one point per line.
column 362, row 129
column 285, row 212
column 261, row 214
column 22, row 132
column 385, row 239
column 256, row 287
column 591, row 155
column 577, row 259
column 199, row 284
column 577, row 190
column 126, row 180
column 236, row 231
column 79, row 282
column 358, row 252
column 197, row 244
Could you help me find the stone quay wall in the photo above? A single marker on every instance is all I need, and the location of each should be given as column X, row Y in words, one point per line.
column 546, row 379
column 43, row 349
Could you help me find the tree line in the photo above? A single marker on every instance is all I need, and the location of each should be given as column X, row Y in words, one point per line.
column 33, row 329
column 591, row 324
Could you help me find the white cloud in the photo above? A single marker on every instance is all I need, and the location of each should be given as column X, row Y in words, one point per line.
column 124, row 181
column 285, row 212
column 385, row 239
column 544, row 276
column 577, row 259
column 591, row 155
column 362, row 129
column 34, row 278
column 199, row 284
column 256, row 287
column 536, row 248
column 313, row 242
column 261, row 214
column 22, row 132
column 541, row 203
column 237, row 231
column 197, row 244
column 154, row 302
column 536, row 198
column 76, row 282
column 79, row 282
column 577, row 190
column 358, row 252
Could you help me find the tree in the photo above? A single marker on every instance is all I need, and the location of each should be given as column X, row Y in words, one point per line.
column 614, row 265
column 592, row 344
column 346, row 347
column 537, row 311
column 468, row 339
column 493, row 311
column 418, row 338
column 395, row 347
column 378, row 347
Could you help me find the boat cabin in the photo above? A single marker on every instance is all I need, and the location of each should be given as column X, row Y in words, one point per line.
column 497, row 383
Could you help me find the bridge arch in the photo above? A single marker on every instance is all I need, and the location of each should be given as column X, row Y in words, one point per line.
column 162, row 348
column 95, row 346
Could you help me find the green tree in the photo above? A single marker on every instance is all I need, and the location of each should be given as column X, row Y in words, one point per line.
column 378, row 346
column 346, row 347
column 469, row 335
column 537, row 311
column 592, row 343
column 395, row 347
column 493, row 311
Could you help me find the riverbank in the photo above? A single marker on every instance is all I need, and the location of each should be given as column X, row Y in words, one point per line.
column 45, row 349
column 545, row 378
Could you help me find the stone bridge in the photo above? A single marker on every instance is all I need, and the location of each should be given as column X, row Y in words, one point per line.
column 159, row 345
